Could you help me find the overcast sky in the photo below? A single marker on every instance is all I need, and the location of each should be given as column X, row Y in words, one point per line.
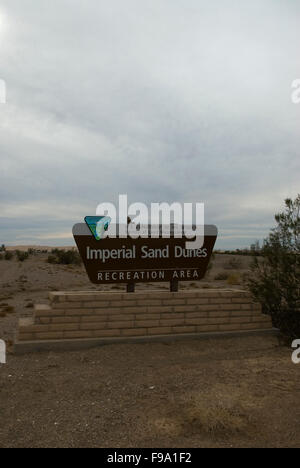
column 165, row 100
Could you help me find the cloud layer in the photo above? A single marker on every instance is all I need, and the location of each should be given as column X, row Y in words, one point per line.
column 165, row 101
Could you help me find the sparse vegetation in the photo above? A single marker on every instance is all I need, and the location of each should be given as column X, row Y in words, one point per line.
column 233, row 279
column 233, row 264
column 22, row 256
column 8, row 255
column 275, row 280
column 64, row 257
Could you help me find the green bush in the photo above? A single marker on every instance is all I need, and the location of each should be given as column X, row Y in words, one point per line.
column 275, row 278
column 52, row 259
column 8, row 255
column 2, row 248
column 64, row 257
column 22, row 256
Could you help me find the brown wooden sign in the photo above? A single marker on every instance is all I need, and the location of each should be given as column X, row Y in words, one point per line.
column 119, row 260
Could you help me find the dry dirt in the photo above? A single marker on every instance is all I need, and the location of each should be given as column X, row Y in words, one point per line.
column 241, row 392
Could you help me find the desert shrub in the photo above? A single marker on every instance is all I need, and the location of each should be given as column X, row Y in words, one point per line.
column 275, row 279
column 22, row 256
column 52, row 259
column 8, row 255
column 233, row 279
column 64, row 257
column 221, row 277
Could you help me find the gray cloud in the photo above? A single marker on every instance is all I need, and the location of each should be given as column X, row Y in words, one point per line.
column 164, row 101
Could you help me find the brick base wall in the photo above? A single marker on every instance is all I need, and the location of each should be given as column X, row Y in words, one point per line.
column 90, row 315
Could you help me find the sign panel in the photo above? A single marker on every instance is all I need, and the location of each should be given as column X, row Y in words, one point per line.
column 119, row 260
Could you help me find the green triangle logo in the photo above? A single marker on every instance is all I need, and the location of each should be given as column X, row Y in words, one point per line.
column 97, row 225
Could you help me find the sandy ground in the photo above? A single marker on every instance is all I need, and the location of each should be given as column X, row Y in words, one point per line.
column 241, row 392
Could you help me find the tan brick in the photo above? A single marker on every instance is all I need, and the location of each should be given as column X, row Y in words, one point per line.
column 83, row 298
column 219, row 313
column 241, row 313
column 105, row 297
column 171, row 322
column 64, row 327
column 122, row 303
column 77, row 334
column 240, row 319
column 217, row 320
column 93, row 326
column 46, row 313
column 159, row 331
column 94, row 318
column 149, row 302
column 196, row 321
column 124, row 324
column 220, row 300
column 34, row 329
column 67, row 305
column 26, row 336
column 246, row 306
column 230, row 327
column 207, row 328
column 76, row 312
column 134, row 332
column 134, row 310
column 106, row 333
column 95, row 304
column 192, row 315
column 146, row 323
column 109, row 310
column 44, row 320
column 197, row 301
column 159, row 309
column 66, row 319
column 185, row 308
column 50, row 335
column 186, row 329
column 242, row 300
column 208, row 307
column 121, row 317
column 147, row 316
column 230, row 307
column 262, row 325
column 173, row 315
column 173, row 302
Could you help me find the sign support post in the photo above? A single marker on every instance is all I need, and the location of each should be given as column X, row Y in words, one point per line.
column 130, row 287
column 174, row 285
